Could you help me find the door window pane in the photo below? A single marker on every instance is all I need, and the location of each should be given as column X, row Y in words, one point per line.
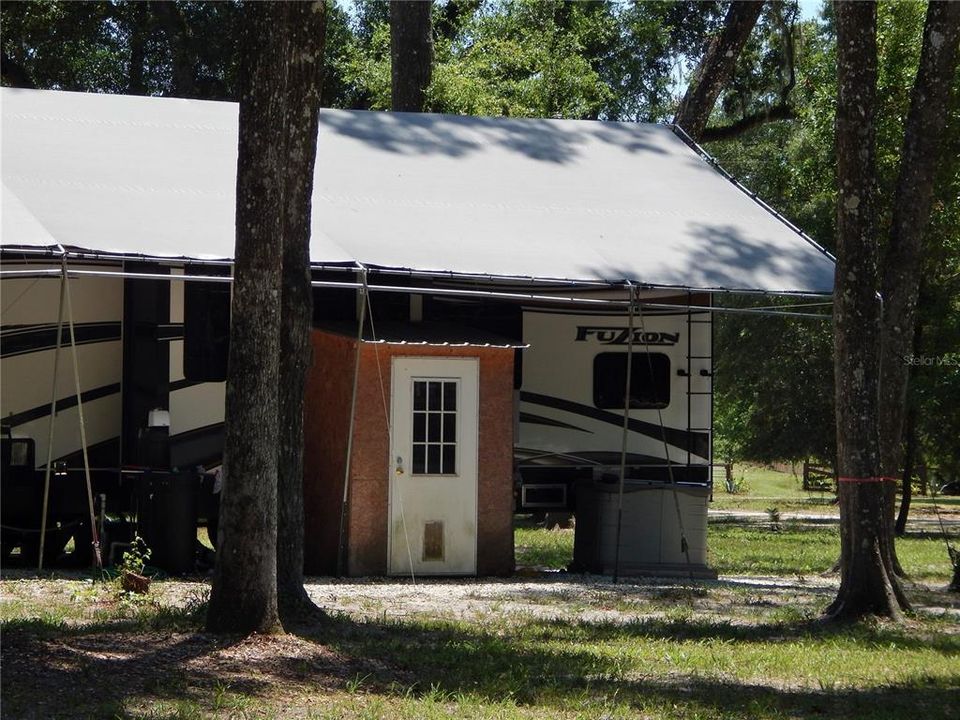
column 449, row 427
column 435, row 427
column 433, row 459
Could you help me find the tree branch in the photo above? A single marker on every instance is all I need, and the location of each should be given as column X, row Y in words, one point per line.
column 716, row 67
column 780, row 111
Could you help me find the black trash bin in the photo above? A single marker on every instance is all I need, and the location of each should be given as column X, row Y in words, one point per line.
column 167, row 520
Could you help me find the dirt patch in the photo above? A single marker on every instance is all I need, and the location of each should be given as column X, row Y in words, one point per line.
column 103, row 671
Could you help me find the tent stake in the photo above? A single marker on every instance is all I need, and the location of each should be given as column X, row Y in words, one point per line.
column 53, row 416
column 95, row 540
column 623, row 447
column 341, row 538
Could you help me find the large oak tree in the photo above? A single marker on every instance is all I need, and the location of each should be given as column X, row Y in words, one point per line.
column 304, row 79
column 902, row 263
column 280, row 64
column 866, row 585
column 411, row 54
column 873, row 332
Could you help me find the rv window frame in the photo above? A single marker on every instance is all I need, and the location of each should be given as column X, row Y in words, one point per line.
column 640, row 364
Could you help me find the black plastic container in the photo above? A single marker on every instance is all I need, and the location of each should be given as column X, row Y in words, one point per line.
column 167, row 520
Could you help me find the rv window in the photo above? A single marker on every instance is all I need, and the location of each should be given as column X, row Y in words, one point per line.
column 206, row 326
column 649, row 380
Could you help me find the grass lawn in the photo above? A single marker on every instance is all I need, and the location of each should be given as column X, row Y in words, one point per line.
column 681, row 651
column 764, row 488
column 553, row 647
column 736, row 549
column 556, row 648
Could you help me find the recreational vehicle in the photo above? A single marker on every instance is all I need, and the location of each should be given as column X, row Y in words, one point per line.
column 584, row 302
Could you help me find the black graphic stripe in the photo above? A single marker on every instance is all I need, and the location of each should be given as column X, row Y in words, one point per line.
column 22, row 339
column 62, row 404
column 184, row 384
column 200, row 446
column 697, row 442
column 541, row 420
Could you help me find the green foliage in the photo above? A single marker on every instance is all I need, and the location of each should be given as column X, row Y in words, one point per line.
column 774, row 387
column 541, row 58
column 738, row 485
column 67, row 46
column 526, row 61
column 135, row 559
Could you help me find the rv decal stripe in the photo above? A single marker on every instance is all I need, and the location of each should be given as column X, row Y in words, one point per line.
column 22, row 339
column 40, row 411
column 541, row 420
column 697, row 442
column 199, row 446
column 183, row 384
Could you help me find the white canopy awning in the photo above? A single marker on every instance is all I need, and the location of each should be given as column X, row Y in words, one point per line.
column 510, row 198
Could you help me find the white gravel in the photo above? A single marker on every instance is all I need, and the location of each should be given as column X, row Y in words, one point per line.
column 560, row 596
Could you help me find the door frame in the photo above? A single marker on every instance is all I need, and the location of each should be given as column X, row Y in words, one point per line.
column 471, row 366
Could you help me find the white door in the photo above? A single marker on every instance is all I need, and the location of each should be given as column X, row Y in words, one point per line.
column 433, row 466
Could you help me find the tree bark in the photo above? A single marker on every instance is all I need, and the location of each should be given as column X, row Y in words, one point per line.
column 716, row 67
column 174, row 26
column 243, row 598
column 913, row 201
column 866, row 585
column 909, row 462
column 137, row 27
column 411, row 54
column 304, row 82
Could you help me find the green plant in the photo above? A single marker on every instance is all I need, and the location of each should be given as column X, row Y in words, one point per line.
column 773, row 514
column 738, row 485
column 132, row 583
column 135, row 559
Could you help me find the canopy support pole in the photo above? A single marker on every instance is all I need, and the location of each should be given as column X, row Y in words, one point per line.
column 53, row 417
column 684, row 545
column 95, row 540
column 341, row 537
column 626, row 433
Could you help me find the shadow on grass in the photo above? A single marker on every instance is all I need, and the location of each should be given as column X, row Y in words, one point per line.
column 111, row 670
column 496, row 666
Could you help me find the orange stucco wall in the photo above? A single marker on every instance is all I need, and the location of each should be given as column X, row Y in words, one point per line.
column 326, row 418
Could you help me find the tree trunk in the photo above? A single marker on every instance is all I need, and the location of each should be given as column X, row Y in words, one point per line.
column 411, row 54
column 174, row 26
column 304, row 80
column 911, row 213
column 716, row 67
column 866, row 585
column 137, row 27
column 910, row 455
column 243, row 598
